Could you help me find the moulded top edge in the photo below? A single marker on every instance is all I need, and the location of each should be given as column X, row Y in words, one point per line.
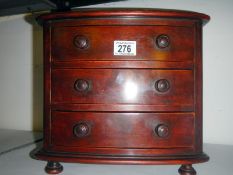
column 122, row 12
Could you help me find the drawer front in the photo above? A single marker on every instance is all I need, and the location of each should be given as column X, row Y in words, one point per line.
column 152, row 42
column 122, row 130
column 123, row 86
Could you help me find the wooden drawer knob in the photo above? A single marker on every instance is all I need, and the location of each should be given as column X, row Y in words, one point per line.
column 81, row 42
column 82, row 129
column 162, row 85
column 162, row 41
column 162, row 130
column 81, row 85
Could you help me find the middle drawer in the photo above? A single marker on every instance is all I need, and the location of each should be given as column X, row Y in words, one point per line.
column 123, row 86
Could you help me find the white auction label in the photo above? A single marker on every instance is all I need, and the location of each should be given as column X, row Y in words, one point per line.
column 125, row 48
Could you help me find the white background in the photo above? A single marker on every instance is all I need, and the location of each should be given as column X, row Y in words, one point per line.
column 21, row 67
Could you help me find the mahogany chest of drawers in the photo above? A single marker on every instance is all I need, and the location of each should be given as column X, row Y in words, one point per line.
column 123, row 86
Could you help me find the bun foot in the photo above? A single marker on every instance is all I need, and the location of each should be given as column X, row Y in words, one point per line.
column 53, row 168
column 187, row 170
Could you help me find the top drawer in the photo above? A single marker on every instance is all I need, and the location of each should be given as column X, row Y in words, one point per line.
column 164, row 43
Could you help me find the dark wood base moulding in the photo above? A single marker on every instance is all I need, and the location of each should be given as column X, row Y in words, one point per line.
column 54, row 158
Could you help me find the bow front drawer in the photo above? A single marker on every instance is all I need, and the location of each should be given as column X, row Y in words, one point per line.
column 123, row 86
column 122, row 130
column 165, row 43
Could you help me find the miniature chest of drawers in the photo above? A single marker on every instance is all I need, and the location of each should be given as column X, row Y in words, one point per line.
column 123, row 86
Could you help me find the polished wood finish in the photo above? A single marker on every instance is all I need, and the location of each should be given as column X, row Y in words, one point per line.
column 53, row 167
column 100, row 38
column 117, row 12
column 105, row 108
column 123, row 86
column 122, row 130
column 187, row 170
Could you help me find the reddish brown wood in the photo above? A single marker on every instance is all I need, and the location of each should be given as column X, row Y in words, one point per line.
column 162, row 41
column 173, row 159
column 109, row 152
column 187, row 170
column 82, row 129
column 47, row 83
column 162, row 130
column 143, row 109
column 100, row 39
column 122, row 130
column 155, row 13
column 123, row 86
column 81, row 42
column 123, row 64
column 53, row 168
column 198, row 88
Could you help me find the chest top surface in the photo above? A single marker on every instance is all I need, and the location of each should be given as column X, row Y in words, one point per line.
column 130, row 12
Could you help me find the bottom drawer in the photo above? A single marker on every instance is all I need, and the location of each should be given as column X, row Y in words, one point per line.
column 122, row 130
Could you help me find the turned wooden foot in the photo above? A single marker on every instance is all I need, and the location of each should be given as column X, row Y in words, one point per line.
column 53, row 168
column 187, row 170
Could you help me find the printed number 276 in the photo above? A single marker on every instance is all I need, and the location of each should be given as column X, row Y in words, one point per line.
column 123, row 48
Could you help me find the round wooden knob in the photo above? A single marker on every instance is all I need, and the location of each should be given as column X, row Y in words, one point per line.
column 81, row 85
column 81, row 42
column 162, row 130
column 162, row 85
column 81, row 129
column 162, row 41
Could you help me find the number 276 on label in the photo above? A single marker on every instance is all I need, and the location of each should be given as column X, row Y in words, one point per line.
column 125, row 48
